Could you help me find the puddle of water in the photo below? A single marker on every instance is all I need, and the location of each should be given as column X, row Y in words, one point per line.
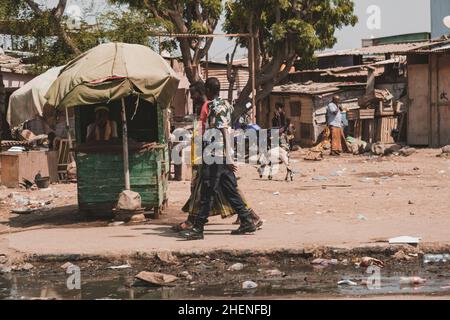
column 300, row 281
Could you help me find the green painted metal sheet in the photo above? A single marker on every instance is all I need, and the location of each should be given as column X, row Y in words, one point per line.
column 100, row 178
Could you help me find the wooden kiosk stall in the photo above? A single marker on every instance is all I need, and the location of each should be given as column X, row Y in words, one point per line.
column 136, row 86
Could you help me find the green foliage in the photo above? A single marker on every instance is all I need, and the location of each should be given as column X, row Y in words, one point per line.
column 300, row 26
column 37, row 33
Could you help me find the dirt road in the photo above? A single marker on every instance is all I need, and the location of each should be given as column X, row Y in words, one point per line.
column 348, row 202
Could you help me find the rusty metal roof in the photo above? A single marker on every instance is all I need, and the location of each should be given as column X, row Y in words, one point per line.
column 13, row 65
column 358, row 70
column 315, row 88
column 374, row 50
column 434, row 46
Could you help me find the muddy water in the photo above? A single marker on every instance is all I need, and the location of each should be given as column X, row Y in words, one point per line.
column 302, row 281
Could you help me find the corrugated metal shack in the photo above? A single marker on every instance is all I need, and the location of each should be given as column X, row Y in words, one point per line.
column 219, row 71
column 305, row 104
column 376, row 108
column 429, row 93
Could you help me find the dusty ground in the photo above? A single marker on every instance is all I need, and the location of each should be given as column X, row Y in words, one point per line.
column 362, row 201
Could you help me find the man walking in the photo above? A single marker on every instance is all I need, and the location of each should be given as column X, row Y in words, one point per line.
column 334, row 121
column 218, row 166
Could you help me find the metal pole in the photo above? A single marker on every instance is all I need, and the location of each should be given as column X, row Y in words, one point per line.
column 192, row 35
column 253, row 71
column 126, row 170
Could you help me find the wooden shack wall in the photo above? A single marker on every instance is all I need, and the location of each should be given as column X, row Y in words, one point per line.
column 303, row 120
column 429, row 100
column 219, row 71
column 440, row 100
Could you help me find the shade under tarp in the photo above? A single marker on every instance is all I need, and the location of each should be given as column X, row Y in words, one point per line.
column 113, row 71
column 28, row 102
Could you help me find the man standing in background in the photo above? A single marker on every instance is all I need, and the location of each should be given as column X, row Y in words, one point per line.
column 334, row 121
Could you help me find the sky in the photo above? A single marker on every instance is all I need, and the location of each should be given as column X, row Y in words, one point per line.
column 377, row 18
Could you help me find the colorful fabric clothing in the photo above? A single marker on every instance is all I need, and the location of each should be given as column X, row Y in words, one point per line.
column 221, row 204
column 199, row 129
column 338, row 141
column 336, row 134
column 219, row 117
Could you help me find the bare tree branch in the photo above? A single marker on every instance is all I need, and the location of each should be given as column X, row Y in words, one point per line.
column 34, row 6
column 59, row 10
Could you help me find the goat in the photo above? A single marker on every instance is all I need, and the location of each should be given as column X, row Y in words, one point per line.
column 273, row 157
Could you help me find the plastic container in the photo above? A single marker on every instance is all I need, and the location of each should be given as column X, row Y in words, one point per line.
column 42, row 183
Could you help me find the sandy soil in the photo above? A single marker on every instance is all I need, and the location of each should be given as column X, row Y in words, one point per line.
column 361, row 200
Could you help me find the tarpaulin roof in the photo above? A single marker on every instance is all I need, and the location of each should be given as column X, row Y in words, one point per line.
column 113, row 71
column 28, row 102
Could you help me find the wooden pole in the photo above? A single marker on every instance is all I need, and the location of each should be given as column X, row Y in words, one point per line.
column 207, row 63
column 159, row 45
column 253, row 71
column 69, row 136
column 126, row 170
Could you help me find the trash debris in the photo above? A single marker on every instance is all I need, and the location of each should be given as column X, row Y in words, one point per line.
column 321, row 262
column 378, row 149
column 369, row 261
column 406, row 151
column 123, row 266
column 22, row 201
column 445, row 152
column 405, row 240
column 274, row 273
column 136, row 218
column 320, row 178
column 436, row 258
column 412, row 280
column 236, row 267
column 401, row 255
column 290, row 213
column 5, row 269
column 3, row 259
column 129, row 201
column 249, row 285
column 186, row 275
column 155, row 278
column 116, row 223
column 347, row 283
column 23, row 210
column 23, row 267
column 276, row 193
column 395, row 148
column 167, row 257
column 362, row 217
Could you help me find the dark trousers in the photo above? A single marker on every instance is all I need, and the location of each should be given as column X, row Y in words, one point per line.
column 215, row 176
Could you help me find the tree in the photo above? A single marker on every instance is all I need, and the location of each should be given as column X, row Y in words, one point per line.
column 46, row 33
column 185, row 16
column 285, row 32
